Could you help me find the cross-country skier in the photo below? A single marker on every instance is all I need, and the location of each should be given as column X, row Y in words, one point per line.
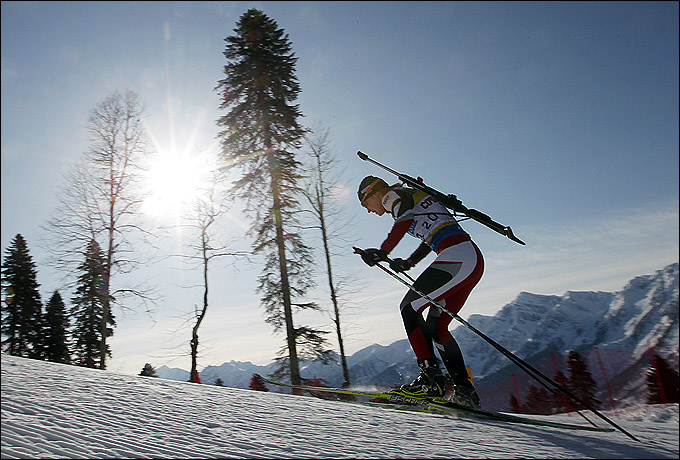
column 448, row 280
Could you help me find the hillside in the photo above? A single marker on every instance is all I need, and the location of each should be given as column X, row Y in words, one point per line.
column 57, row 411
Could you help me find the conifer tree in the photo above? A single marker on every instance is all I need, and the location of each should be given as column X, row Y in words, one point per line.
column 514, row 404
column 148, row 371
column 257, row 383
column 662, row 382
column 559, row 400
column 88, row 310
column 56, row 331
column 581, row 382
column 22, row 318
column 261, row 132
column 538, row 401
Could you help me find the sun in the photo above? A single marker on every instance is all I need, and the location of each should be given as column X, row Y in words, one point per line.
column 174, row 182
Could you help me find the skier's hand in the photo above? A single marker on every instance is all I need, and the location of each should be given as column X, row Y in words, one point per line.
column 373, row 255
column 400, row 265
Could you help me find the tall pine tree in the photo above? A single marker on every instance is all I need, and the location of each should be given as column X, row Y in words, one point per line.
column 261, row 131
column 56, row 331
column 559, row 400
column 538, row 401
column 22, row 319
column 515, row 406
column 581, row 382
column 88, row 310
column 662, row 381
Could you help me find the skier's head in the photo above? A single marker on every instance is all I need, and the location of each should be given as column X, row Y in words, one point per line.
column 370, row 185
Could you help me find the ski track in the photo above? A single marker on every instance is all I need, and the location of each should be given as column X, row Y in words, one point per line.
column 56, row 411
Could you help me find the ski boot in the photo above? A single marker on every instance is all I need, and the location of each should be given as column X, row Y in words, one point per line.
column 431, row 383
column 463, row 395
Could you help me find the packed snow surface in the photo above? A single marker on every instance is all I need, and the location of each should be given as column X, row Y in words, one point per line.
column 58, row 411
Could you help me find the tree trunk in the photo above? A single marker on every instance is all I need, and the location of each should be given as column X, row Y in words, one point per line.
column 199, row 320
column 334, row 299
column 285, row 286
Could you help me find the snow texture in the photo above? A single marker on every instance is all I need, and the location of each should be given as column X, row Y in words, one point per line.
column 57, row 411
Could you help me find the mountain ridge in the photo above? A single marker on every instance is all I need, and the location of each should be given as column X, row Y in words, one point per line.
column 541, row 329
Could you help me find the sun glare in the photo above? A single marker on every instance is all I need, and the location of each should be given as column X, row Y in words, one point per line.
column 174, row 182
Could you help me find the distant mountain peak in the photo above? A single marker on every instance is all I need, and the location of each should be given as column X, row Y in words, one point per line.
column 643, row 313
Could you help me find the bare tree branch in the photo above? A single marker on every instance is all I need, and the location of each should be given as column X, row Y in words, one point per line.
column 101, row 197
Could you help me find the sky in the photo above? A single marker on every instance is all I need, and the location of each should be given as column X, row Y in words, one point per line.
column 558, row 119
column 185, row 420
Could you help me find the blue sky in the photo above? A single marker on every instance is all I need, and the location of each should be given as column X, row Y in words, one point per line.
column 558, row 119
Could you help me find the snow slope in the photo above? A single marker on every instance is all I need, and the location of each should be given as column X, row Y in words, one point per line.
column 57, row 411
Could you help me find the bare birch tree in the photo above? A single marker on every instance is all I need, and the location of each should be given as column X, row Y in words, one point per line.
column 101, row 198
column 319, row 190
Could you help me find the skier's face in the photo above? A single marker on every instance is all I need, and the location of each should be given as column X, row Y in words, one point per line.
column 374, row 204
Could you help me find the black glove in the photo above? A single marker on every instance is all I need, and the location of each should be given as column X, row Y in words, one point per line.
column 400, row 265
column 373, row 255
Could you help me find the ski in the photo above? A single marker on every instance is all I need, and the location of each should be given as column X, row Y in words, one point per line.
column 440, row 406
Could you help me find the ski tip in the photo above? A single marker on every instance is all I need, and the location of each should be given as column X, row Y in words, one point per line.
column 362, row 155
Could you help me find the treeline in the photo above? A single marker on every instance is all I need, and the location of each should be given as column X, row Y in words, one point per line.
column 662, row 387
column 53, row 332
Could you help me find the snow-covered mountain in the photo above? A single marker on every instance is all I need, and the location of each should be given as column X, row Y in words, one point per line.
column 643, row 314
column 375, row 364
column 613, row 330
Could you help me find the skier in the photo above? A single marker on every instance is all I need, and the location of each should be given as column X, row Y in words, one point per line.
column 449, row 280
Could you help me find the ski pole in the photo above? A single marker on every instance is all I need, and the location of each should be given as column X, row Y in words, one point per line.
column 512, row 357
column 504, row 351
column 529, row 369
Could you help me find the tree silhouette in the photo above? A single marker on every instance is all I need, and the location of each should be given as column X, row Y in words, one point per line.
column 22, row 319
column 101, row 200
column 56, row 331
column 514, row 404
column 581, row 382
column 148, row 371
column 91, row 322
column 257, row 383
column 538, row 401
column 662, row 381
column 260, row 131
column 203, row 219
column 319, row 191
column 560, row 401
